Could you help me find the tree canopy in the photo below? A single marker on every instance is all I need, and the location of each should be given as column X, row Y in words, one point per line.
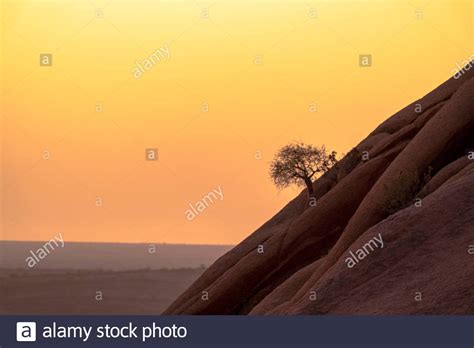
column 300, row 164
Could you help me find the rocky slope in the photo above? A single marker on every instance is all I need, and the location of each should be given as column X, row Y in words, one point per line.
column 410, row 183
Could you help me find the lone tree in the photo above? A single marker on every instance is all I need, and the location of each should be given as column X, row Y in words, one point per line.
column 299, row 163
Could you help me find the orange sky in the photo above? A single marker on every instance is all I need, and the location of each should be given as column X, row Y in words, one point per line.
column 240, row 79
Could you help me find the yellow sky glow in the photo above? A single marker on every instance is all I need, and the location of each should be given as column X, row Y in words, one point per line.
column 241, row 79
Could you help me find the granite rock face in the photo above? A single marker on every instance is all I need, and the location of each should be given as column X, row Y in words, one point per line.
column 411, row 182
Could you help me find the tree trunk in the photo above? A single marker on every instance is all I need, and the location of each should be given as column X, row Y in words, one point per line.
column 309, row 185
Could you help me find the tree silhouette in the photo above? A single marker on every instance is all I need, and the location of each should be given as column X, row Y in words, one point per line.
column 300, row 164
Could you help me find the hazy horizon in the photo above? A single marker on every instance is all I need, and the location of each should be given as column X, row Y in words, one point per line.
column 107, row 242
column 110, row 256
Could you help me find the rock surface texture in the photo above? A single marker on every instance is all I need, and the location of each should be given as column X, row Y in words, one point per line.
column 411, row 182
